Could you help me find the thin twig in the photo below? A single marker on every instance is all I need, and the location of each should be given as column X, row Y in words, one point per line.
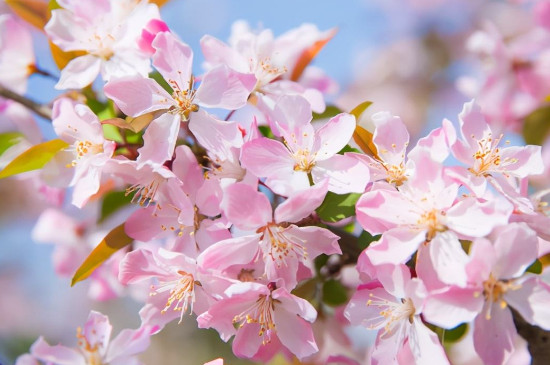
column 42, row 110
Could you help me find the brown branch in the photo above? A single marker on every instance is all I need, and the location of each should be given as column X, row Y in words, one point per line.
column 538, row 340
column 42, row 110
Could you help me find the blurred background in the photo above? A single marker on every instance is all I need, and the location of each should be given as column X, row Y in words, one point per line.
column 404, row 55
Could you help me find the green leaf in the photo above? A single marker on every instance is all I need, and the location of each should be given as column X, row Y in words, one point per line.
column 114, row 241
column 359, row 109
column 330, row 111
column 112, row 202
column 455, row 334
column 266, row 131
column 348, row 148
column 334, row 293
column 9, row 139
column 306, row 289
column 537, row 126
column 319, row 262
column 536, row 267
column 112, row 133
column 155, row 75
column 34, row 158
column 365, row 239
column 336, row 207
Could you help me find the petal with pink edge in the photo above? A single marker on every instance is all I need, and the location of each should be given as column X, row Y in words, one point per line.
column 136, row 95
column 79, row 72
column 174, row 60
column 494, row 338
column 300, row 204
column 247, row 208
column 58, row 354
column 294, row 332
column 333, row 136
column 224, row 88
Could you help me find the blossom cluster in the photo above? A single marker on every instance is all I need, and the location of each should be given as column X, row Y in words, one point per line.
column 233, row 219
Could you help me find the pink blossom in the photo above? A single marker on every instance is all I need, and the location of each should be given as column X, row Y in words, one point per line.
column 94, row 345
column 484, row 156
column 270, row 60
column 178, row 289
column 428, row 206
column 394, row 309
column 219, row 88
column 17, row 61
column 267, row 318
column 81, row 164
column 496, row 280
column 284, row 248
column 107, row 31
column 305, row 152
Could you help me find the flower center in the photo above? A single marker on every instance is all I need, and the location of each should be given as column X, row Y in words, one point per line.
column 304, row 160
column 391, row 312
column 144, row 193
column 265, row 72
column 494, row 289
column 396, row 174
column 431, row 221
column 183, row 99
column 280, row 244
column 83, row 149
column 261, row 312
column 487, row 157
column 182, row 293
column 90, row 352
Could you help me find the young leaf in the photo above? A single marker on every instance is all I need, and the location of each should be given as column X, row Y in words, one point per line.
column 334, row 293
column 309, row 54
column 330, row 111
column 112, row 202
column 537, row 126
column 114, row 241
column 34, row 12
column 9, row 139
column 34, row 158
column 336, row 207
column 361, row 136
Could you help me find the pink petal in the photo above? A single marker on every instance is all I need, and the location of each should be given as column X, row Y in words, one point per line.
column 224, row 88
column 234, row 251
column 514, row 259
column 396, row 246
column 56, row 354
column 128, row 343
column 79, row 72
column 425, row 345
column 245, row 207
column 317, row 240
column 291, row 114
column 531, row 301
column 452, row 307
column 173, row 59
column 217, row 52
column 211, row 132
column 159, row 139
column 187, row 169
column 139, row 265
column 334, row 135
column 494, row 338
column 247, row 342
column 267, row 157
column 294, row 332
column 390, row 137
column 136, row 95
column 345, row 173
column 301, row 204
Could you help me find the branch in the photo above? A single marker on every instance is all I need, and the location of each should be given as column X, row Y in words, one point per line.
column 42, row 110
column 537, row 340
